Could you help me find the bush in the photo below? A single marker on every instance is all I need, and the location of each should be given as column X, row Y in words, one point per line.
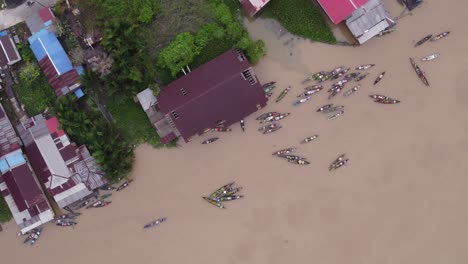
column 5, row 214
column 300, row 17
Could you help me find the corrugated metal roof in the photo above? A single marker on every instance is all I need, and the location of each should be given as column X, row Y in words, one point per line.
column 9, row 141
column 368, row 16
column 45, row 43
column 146, row 98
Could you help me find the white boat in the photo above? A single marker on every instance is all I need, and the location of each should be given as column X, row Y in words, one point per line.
column 430, row 57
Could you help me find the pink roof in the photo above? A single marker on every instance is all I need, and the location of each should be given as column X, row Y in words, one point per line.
column 339, row 10
column 46, row 14
column 253, row 6
column 53, row 126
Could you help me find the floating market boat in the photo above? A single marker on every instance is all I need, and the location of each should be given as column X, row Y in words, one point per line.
column 231, row 191
column 341, row 73
column 124, row 185
column 155, row 222
column 269, row 89
column 335, row 92
column 419, row 72
column 242, row 125
column 35, row 236
column 261, row 117
column 283, row 94
column 221, row 129
column 361, row 77
column 283, row 151
column 266, row 85
column 210, row 140
column 309, row 139
column 281, row 116
column 385, row 32
column 379, row 78
column 269, row 119
column 323, row 108
column 228, row 198
column 351, row 91
column 377, row 96
column 309, row 92
column 423, row 40
column 271, row 130
column 299, row 162
column 340, row 113
column 440, row 36
column 292, row 157
column 387, row 100
column 301, row 101
column 365, row 67
column 217, row 204
column 333, row 109
column 66, row 223
column 430, row 57
column 339, row 164
column 351, row 76
column 336, row 161
column 314, row 87
column 221, row 190
column 265, row 128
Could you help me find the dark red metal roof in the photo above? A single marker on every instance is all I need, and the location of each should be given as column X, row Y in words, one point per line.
column 168, row 138
column 339, row 10
column 58, row 82
column 69, row 152
column 37, row 162
column 214, row 91
column 7, row 50
column 46, row 14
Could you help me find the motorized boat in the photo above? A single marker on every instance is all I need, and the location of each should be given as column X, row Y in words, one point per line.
column 325, row 107
column 219, row 192
column 309, row 139
column 419, row 72
column 351, row 76
column 107, row 187
column 228, row 198
column 269, row 94
column 221, row 129
column 440, row 36
column 314, row 87
column 64, row 220
column 281, row 116
column 430, row 57
column 271, row 130
column 124, row 185
column 269, row 89
column 283, row 151
column 32, row 234
column 338, row 84
column 361, row 77
column 66, row 223
column 269, row 119
column 299, row 162
column 220, row 123
column 283, row 94
column 265, row 128
column 302, row 100
column 340, row 113
column 423, row 40
column 210, row 140
column 35, row 236
column 155, row 222
column 333, row 109
column 339, row 164
column 104, row 196
column 351, row 91
column 336, row 70
column 379, row 78
column 387, row 100
column 377, row 96
column 365, row 67
column 242, row 125
column 310, row 92
column 341, row 73
column 217, row 204
column 261, row 117
column 69, row 216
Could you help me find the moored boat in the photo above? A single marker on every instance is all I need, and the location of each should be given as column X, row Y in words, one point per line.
column 379, row 78
column 124, row 185
column 242, row 125
column 377, row 96
column 231, row 191
column 217, row 204
column 107, row 187
column 323, row 108
column 430, row 57
column 423, row 40
column 351, row 76
column 261, row 117
column 351, row 91
column 219, row 191
column 309, row 139
column 333, row 109
column 265, row 128
column 340, row 113
column 271, row 130
column 266, row 85
column 419, row 72
column 387, row 100
column 385, row 32
column 283, row 94
column 335, row 92
column 155, row 222
column 283, row 151
column 221, row 129
column 301, row 101
column 309, row 92
column 314, row 87
column 365, row 67
column 281, row 116
column 210, row 140
column 66, row 223
column 228, row 198
column 361, row 77
column 440, row 36
column 299, row 162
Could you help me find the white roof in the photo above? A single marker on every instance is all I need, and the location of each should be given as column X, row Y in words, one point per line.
column 54, row 161
column 146, row 98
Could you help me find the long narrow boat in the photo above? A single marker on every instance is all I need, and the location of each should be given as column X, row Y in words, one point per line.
column 335, row 91
column 261, row 117
column 333, row 109
column 365, row 67
column 292, row 157
column 309, row 139
column 361, row 77
column 228, row 198
column 430, row 57
column 340, row 113
column 310, row 92
column 387, row 100
column 440, row 36
column 231, row 191
column 423, row 40
column 379, row 78
column 283, row 94
column 266, row 85
column 336, row 161
column 323, row 108
column 283, row 151
column 301, row 101
column 155, row 222
column 221, row 189
column 351, row 91
column 281, row 116
column 314, row 87
column 217, row 204
column 271, row 130
column 377, row 96
column 124, row 185
column 265, row 128
column 339, row 164
column 351, row 76
column 419, row 72
column 210, row 140
column 299, row 162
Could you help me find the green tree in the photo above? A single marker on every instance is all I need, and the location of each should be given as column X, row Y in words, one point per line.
column 5, row 214
column 179, row 53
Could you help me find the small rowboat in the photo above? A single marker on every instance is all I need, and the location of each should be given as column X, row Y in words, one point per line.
column 335, row 91
column 314, row 87
column 271, row 130
column 365, row 67
column 310, row 92
column 292, row 157
column 351, row 76
column 301, row 101
column 385, row 32
column 155, row 222
column 283, row 94
column 323, row 108
column 210, row 140
column 361, row 77
column 66, row 223
column 336, row 76
column 387, row 100
column 340, row 113
column 265, row 128
column 430, row 57
column 336, row 161
column 377, row 96
column 217, row 204
column 440, row 36
column 419, row 72
column 221, row 129
column 379, row 78
column 423, row 40
column 283, row 151
column 351, row 91
column 339, row 164
column 124, row 185
column 309, row 139
column 281, row 116
column 231, row 191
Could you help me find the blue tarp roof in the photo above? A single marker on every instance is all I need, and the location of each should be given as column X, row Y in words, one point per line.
column 3, row 33
column 79, row 93
column 11, row 161
column 45, row 43
column 80, row 70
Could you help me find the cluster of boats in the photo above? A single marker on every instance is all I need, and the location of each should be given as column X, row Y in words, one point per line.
column 294, row 159
column 431, row 37
column 32, row 236
column 336, row 110
column 66, row 219
column 271, row 117
column 338, row 162
column 225, row 193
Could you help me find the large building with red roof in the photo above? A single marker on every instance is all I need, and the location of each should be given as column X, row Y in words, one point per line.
column 68, row 171
column 18, row 186
column 225, row 88
column 253, row 6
